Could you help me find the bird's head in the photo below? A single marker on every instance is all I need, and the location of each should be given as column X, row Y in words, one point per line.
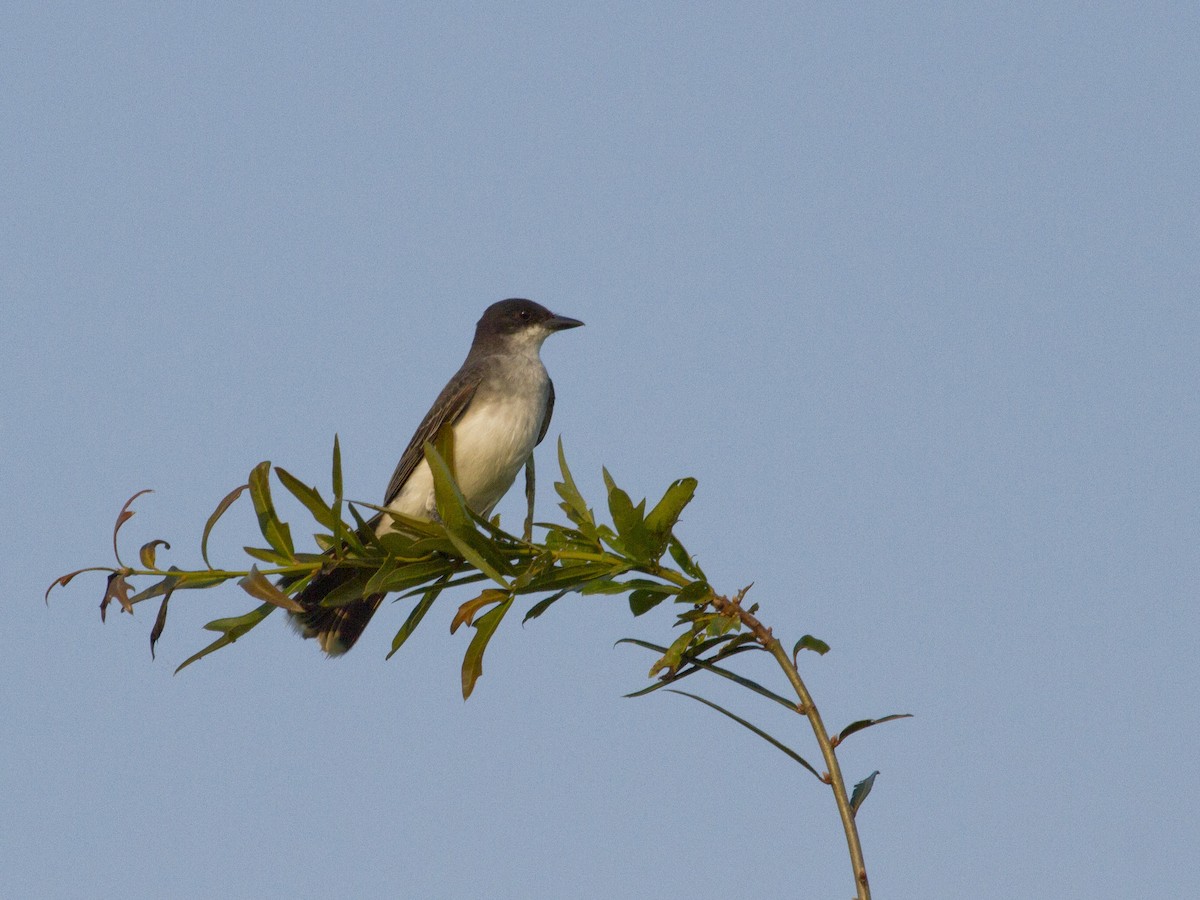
column 520, row 323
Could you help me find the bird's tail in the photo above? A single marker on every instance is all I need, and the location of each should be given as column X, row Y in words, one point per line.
column 336, row 628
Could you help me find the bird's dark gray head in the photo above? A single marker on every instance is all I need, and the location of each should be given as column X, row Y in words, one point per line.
column 519, row 321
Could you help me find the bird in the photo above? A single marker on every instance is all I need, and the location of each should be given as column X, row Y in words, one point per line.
column 499, row 405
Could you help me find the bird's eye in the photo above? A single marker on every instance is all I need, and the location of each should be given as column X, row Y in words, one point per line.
column 524, row 314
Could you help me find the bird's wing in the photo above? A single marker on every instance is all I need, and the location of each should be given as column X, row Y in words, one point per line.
column 549, row 412
column 449, row 407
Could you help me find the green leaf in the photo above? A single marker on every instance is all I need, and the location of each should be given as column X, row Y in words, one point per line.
column 686, row 564
column 859, row 794
column 572, row 577
column 542, row 605
column 673, row 658
column 415, row 617
column 274, row 530
column 310, row 497
column 262, row 554
column 405, row 575
column 684, row 672
column 336, row 480
column 779, row 745
column 212, row 520
column 573, row 503
column 473, row 578
column 231, row 629
column 196, row 580
column 146, row 554
column 642, row 601
column 631, row 529
column 808, row 642
column 601, row 586
column 530, row 492
column 336, row 475
column 177, row 580
column 452, row 509
column 708, row 666
column 866, row 723
column 695, row 593
column 485, row 627
column 666, row 512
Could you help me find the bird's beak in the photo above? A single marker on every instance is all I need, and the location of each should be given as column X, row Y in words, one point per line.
column 560, row 323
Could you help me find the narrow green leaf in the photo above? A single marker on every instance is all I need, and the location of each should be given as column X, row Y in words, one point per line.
column 339, row 529
column 336, row 475
column 212, row 520
column 573, row 577
column 197, row 580
column 401, row 576
column 779, row 745
column 362, row 535
column 231, row 629
column 415, row 617
column 859, row 794
column 573, row 503
column 274, row 530
column 808, row 642
column 708, row 666
column 310, row 497
column 262, row 554
column 866, row 723
column 460, row 528
column 177, row 580
column 685, row 671
column 542, row 605
column 601, row 586
column 473, row 578
column 485, row 627
column 451, row 505
column 530, row 491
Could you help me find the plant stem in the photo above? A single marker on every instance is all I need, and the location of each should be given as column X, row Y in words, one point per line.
column 771, row 644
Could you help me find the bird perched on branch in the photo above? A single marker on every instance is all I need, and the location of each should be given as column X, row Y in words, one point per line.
column 499, row 405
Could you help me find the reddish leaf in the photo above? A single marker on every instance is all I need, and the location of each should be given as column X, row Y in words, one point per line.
column 160, row 622
column 124, row 516
column 64, row 580
column 259, row 586
column 118, row 589
column 466, row 613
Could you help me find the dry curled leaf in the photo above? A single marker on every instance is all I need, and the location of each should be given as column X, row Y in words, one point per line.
column 118, row 589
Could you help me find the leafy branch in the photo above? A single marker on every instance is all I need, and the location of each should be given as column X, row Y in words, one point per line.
column 638, row 555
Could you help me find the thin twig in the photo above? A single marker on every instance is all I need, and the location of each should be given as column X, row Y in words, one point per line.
column 733, row 607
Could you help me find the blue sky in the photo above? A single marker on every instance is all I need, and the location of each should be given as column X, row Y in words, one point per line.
column 911, row 290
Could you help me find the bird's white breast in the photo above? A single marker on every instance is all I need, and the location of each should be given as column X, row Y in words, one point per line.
column 492, row 441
